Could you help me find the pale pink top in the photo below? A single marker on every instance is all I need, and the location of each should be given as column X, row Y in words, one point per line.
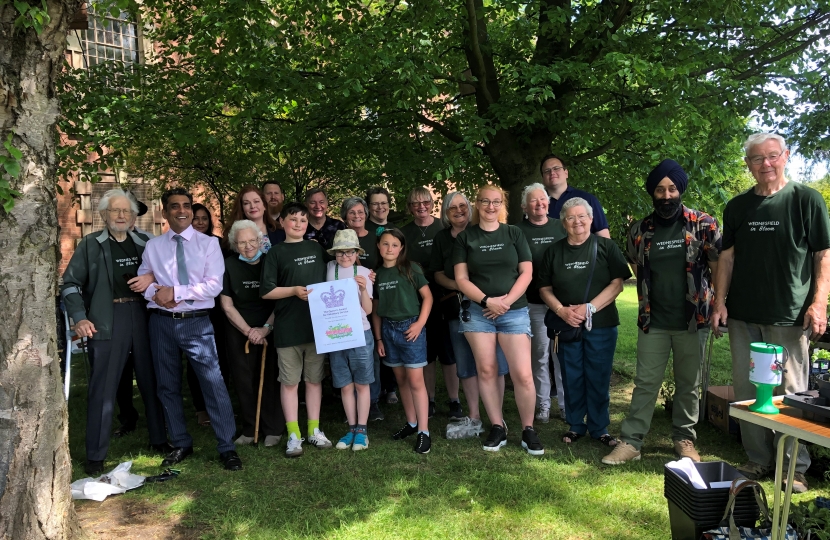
column 345, row 273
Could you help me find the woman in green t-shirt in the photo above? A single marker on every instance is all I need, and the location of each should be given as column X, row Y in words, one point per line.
column 251, row 320
column 567, row 271
column 493, row 269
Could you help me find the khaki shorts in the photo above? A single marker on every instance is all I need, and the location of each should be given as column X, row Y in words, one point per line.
column 298, row 361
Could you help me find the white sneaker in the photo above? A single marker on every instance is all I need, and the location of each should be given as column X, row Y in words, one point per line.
column 543, row 416
column 319, row 439
column 272, row 440
column 295, row 446
column 243, row 440
column 466, row 428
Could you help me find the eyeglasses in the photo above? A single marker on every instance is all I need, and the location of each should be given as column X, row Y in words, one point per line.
column 551, row 170
column 465, row 310
column 488, row 202
column 758, row 160
column 416, row 204
column 119, row 212
column 580, row 217
column 249, row 243
column 378, row 204
column 345, row 253
column 458, row 208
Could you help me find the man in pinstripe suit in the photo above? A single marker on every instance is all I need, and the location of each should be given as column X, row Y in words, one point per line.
column 188, row 268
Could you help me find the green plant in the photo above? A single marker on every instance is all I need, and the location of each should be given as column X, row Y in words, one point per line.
column 808, row 518
column 31, row 16
column 11, row 169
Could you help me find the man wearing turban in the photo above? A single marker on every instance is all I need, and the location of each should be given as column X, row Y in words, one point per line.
column 675, row 250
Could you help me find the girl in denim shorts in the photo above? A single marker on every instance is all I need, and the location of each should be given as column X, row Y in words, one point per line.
column 353, row 370
column 403, row 343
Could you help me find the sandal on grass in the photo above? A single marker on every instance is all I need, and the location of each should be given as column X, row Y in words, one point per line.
column 570, row 437
column 608, row 440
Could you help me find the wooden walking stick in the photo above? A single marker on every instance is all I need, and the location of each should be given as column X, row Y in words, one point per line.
column 261, row 381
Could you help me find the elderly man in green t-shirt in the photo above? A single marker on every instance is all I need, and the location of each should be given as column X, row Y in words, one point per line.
column 772, row 283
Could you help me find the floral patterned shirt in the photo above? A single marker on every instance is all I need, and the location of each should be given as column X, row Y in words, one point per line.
column 703, row 245
column 325, row 235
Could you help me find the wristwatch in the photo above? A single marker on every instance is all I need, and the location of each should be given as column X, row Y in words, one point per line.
column 592, row 308
column 268, row 326
column 483, row 302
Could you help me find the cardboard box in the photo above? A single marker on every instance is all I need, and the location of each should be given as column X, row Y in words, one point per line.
column 717, row 405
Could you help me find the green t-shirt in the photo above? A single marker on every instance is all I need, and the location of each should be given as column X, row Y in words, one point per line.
column 667, row 261
column 539, row 238
column 241, row 284
column 369, row 243
column 493, row 258
column 398, row 298
column 125, row 260
column 566, row 268
column 440, row 260
column 289, row 264
column 774, row 239
column 419, row 241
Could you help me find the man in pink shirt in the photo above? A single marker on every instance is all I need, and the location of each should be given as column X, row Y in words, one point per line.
column 188, row 269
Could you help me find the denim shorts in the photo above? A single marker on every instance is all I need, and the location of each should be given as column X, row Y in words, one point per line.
column 515, row 321
column 465, row 363
column 399, row 351
column 354, row 365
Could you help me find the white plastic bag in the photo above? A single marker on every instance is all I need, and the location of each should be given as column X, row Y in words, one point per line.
column 117, row 481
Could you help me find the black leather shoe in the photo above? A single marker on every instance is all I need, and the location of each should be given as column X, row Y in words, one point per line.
column 94, row 468
column 123, row 431
column 231, row 461
column 163, row 448
column 177, row 455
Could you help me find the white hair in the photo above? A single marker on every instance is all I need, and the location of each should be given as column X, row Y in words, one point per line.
column 530, row 189
column 239, row 226
column 760, row 138
column 104, row 203
column 576, row 201
column 445, row 207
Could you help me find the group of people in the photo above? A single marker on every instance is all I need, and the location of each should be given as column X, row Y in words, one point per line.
column 466, row 290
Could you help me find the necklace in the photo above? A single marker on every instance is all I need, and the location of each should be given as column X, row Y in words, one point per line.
column 423, row 230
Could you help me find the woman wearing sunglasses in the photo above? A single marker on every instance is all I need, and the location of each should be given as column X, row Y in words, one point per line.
column 493, row 269
column 456, row 212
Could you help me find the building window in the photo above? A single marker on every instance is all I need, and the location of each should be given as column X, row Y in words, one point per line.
column 110, row 38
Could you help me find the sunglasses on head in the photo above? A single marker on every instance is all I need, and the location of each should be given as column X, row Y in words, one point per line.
column 465, row 310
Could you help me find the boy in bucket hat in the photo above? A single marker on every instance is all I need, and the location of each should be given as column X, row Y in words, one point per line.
column 352, row 370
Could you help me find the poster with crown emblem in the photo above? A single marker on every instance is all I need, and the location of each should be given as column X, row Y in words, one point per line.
column 336, row 315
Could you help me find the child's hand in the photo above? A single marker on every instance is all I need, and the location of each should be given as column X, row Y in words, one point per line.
column 361, row 282
column 381, row 350
column 301, row 292
column 413, row 331
column 372, row 276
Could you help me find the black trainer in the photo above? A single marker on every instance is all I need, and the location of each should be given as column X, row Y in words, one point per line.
column 423, row 443
column 531, row 442
column 431, row 409
column 375, row 413
column 496, row 439
column 405, row 432
column 455, row 410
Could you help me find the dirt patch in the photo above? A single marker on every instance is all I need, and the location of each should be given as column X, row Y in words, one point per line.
column 126, row 519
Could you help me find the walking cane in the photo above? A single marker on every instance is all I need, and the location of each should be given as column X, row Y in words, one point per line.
column 261, row 381
column 707, row 364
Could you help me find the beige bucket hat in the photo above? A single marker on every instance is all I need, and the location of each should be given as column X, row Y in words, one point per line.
column 345, row 240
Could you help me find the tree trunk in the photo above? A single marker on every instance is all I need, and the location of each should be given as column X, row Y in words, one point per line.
column 35, row 468
column 516, row 162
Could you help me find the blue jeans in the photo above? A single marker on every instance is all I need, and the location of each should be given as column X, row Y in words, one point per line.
column 465, row 362
column 399, row 351
column 586, row 375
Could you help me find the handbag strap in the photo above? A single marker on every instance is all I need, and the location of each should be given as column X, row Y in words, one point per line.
column 593, row 267
column 760, row 497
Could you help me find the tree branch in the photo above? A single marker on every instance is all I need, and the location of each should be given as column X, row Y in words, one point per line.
column 596, row 152
column 475, row 49
column 440, row 128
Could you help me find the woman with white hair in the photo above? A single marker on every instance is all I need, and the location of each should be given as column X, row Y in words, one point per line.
column 581, row 276
column 541, row 232
column 251, row 319
column 456, row 212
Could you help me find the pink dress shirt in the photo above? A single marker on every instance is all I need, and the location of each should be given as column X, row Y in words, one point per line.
column 205, row 268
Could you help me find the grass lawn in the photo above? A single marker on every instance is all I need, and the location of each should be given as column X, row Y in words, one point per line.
column 456, row 491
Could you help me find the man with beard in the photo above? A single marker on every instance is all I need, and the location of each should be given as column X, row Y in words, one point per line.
column 103, row 295
column 675, row 250
column 775, row 270
column 274, row 198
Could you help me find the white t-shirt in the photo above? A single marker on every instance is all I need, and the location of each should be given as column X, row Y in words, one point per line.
column 346, row 273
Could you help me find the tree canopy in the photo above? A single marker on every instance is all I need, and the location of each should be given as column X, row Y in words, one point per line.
column 354, row 93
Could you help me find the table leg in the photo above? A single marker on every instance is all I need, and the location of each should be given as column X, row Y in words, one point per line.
column 788, row 493
column 776, row 488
